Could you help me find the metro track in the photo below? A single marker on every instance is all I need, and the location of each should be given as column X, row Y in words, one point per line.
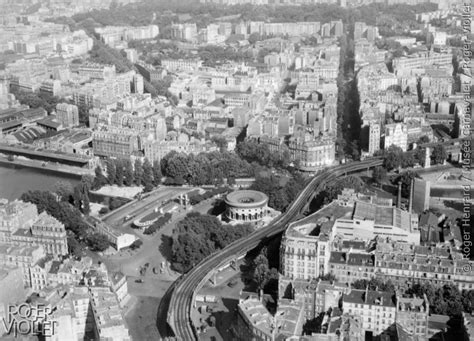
column 181, row 304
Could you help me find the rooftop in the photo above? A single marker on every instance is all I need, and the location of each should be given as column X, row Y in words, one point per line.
column 370, row 297
column 246, row 198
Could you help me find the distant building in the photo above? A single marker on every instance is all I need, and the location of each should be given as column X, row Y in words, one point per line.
column 181, row 64
column 115, row 36
column 97, row 71
column 374, row 138
column 396, row 134
column 421, row 195
column 132, row 55
column 51, row 87
column 67, row 115
column 115, row 142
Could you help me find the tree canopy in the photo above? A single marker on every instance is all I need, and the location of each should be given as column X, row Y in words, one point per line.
column 446, row 299
column 205, row 168
column 279, row 197
column 197, row 236
column 61, row 210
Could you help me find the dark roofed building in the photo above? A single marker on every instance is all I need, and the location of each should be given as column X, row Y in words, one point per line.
column 348, row 267
column 49, row 123
column 377, row 309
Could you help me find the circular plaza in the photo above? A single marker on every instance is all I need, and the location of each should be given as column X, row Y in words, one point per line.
column 246, row 206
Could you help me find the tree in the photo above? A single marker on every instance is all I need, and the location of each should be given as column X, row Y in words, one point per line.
column 128, row 173
column 197, row 236
column 254, row 37
column 423, row 139
column 86, row 204
column 468, row 300
column 111, row 171
column 147, row 176
column 406, row 178
column 97, row 242
column 77, row 197
column 393, row 157
column 88, row 181
column 221, row 142
column 138, row 172
column 379, row 175
column 374, row 284
column 407, row 160
column 157, row 173
column 100, row 179
column 262, row 271
column 64, row 189
column 63, row 211
column 119, row 172
column 439, row 154
column 420, row 154
column 331, row 192
column 444, row 300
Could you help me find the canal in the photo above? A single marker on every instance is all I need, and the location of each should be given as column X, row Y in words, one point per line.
column 16, row 180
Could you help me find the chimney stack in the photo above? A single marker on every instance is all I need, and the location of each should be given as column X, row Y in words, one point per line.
column 399, row 197
column 412, row 189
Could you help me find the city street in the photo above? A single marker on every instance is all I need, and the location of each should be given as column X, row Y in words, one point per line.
column 144, row 206
column 147, row 290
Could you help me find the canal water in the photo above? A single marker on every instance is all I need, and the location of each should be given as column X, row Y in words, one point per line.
column 16, row 180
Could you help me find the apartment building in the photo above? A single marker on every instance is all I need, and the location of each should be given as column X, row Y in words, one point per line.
column 413, row 314
column 23, row 257
column 46, row 231
column 254, row 322
column 115, row 36
column 315, row 295
column 377, row 309
column 313, row 155
column 406, row 264
column 13, row 215
column 303, row 253
column 115, row 142
column 349, row 267
column 156, row 150
column 421, row 60
column 109, row 321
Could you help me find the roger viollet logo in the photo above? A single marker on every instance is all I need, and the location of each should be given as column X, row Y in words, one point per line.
column 29, row 319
